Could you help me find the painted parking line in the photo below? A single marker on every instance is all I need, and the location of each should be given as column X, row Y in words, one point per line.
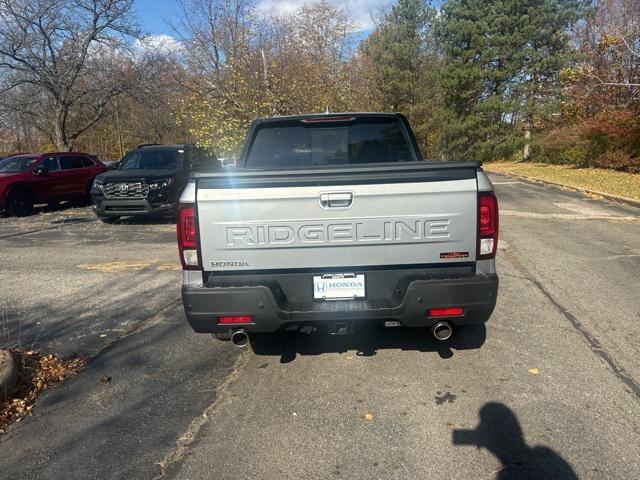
column 569, row 216
column 130, row 266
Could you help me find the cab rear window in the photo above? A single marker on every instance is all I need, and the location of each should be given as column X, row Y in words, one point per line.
column 317, row 142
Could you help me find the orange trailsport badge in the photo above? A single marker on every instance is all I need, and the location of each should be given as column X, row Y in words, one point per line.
column 454, row 255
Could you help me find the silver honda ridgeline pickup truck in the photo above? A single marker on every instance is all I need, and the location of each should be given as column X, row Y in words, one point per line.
column 335, row 219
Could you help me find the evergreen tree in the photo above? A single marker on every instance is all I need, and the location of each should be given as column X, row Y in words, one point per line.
column 503, row 61
column 403, row 66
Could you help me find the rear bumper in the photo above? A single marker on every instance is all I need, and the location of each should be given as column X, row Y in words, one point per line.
column 134, row 207
column 476, row 294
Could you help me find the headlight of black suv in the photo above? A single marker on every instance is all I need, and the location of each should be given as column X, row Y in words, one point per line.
column 97, row 184
column 160, row 184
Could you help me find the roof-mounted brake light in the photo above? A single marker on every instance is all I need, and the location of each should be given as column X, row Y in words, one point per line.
column 327, row 119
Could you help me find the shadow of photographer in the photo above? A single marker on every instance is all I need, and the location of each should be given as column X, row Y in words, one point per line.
column 499, row 432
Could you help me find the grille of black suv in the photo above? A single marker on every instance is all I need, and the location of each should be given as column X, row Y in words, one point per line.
column 126, row 190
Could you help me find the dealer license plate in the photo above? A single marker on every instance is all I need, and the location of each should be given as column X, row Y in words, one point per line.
column 338, row 286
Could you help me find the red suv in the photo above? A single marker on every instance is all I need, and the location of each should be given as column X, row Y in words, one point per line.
column 45, row 178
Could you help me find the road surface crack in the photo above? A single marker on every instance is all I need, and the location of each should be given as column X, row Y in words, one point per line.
column 594, row 344
column 45, row 229
column 174, row 458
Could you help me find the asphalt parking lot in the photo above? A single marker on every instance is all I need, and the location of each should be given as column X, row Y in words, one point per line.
column 549, row 389
column 71, row 284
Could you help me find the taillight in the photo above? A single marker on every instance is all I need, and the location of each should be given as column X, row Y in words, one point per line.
column 488, row 226
column 188, row 237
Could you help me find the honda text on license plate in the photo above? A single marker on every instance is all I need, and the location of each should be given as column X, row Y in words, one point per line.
column 338, row 286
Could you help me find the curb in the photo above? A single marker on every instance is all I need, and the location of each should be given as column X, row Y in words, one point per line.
column 608, row 196
column 8, row 374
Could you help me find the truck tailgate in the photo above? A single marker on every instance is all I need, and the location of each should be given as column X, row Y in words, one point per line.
column 323, row 220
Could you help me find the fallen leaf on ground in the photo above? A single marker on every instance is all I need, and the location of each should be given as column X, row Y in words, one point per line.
column 36, row 372
column 534, row 371
column 368, row 416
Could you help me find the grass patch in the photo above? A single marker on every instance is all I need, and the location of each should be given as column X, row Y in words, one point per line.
column 598, row 179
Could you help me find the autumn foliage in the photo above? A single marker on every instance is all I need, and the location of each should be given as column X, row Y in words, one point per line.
column 556, row 81
column 609, row 139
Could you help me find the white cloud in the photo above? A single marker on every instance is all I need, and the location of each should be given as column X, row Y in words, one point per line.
column 160, row 43
column 360, row 10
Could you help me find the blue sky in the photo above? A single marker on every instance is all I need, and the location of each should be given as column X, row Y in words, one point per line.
column 153, row 14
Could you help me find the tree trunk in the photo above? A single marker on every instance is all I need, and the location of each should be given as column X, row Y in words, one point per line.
column 267, row 83
column 526, row 150
column 119, row 130
column 59, row 136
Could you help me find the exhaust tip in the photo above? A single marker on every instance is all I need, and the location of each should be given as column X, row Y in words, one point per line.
column 240, row 338
column 442, row 331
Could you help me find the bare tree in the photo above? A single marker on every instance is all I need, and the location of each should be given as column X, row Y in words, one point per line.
column 609, row 42
column 216, row 32
column 324, row 31
column 61, row 58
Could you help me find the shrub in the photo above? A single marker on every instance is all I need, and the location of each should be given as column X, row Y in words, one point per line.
column 619, row 160
column 610, row 139
column 565, row 145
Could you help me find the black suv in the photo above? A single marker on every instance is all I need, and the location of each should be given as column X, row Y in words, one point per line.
column 148, row 181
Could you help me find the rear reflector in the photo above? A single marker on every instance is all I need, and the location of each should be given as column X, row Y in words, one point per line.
column 446, row 312
column 225, row 320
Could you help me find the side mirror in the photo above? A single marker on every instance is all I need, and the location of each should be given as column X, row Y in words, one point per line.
column 41, row 170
